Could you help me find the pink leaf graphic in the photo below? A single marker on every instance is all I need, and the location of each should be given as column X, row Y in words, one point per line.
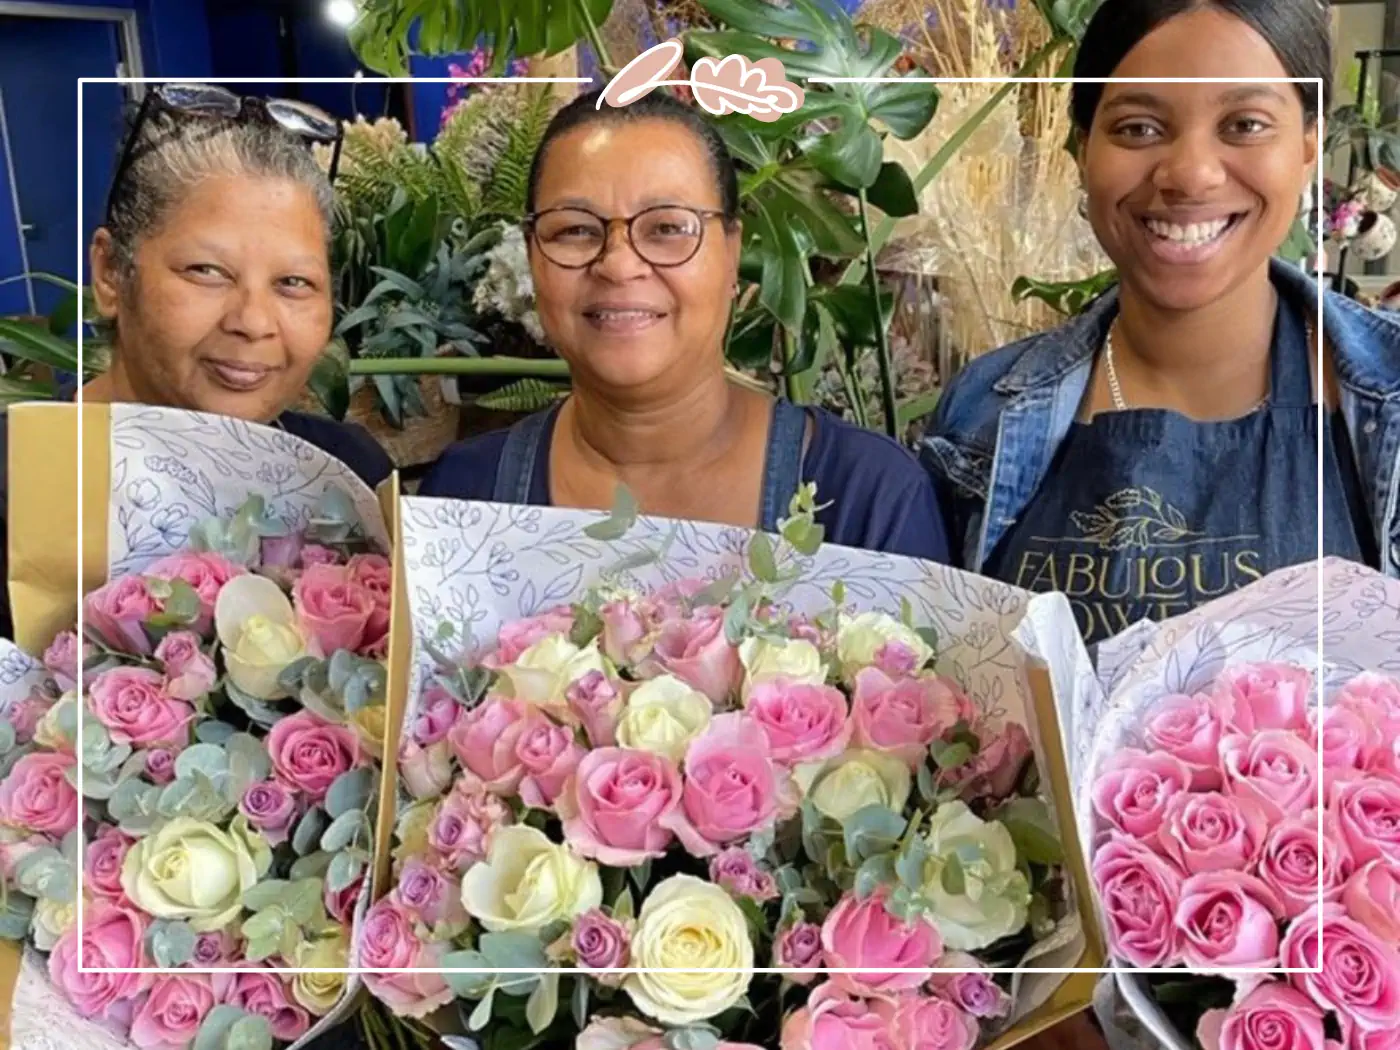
column 736, row 85
column 642, row 75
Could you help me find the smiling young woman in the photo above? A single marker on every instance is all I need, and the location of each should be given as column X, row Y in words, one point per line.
column 634, row 242
column 1161, row 449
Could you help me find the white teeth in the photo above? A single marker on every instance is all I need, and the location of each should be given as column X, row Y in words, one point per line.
column 624, row 315
column 1193, row 233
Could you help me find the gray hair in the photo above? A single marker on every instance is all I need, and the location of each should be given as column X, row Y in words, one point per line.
column 175, row 153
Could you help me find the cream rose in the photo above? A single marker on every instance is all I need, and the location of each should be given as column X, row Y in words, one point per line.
column 47, row 732
column 319, row 992
column 543, row 673
column 191, row 870
column 528, row 882
column 689, row 923
column 796, row 658
column 51, row 921
column 664, row 715
column 996, row 898
column 860, row 638
column 853, row 780
column 257, row 629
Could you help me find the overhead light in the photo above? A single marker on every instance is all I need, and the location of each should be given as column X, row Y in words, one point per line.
column 341, row 12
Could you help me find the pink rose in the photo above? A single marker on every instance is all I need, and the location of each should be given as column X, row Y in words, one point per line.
column 314, row 554
column 1271, row 1017
column 15, row 846
column 835, row 1020
column 737, row 872
column 995, row 770
column 803, row 723
column 281, row 552
column 169, row 1018
column 1368, row 814
column 799, row 947
column 63, row 657
column 160, row 765
column 426, row 771
column 271, row 808
column 388, row 942
column 429, row 895
column 332, row 608
column 904, row 716
column 732, row 785
column 112, row 938
column 102, row 865
column 515, row 637
column 135, row 708
column 372, row 572
column 341, row 905
column 206, row 572
column 932, row 1024
column 864, row 934
column 968, row 985
column 484, row 741
column 625, row 639
column 1348, row 742
column 1275, row 768
column 1377, row 699
column 600, row 942
column 25, row 715
column 438, row 712
column 264, row 994
column 189, row 672
column 1372, row 897
column 1139, row 890
column 896, row 660
column 462, row 824
column 118, row 610
column 1228, row 919
column 549, row 755
column 1213, row 832
column 36, row 795
column 1359, row 973
column 1134, row 788
column 1289, row 862
column 696, row 651
column 1189, row 728
column 214, row 949
column 596, row 703
column 1265, row 696
column 621, row 806
column 308, row 753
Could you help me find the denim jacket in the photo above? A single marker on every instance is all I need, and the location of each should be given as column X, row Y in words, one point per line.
column 997, row 426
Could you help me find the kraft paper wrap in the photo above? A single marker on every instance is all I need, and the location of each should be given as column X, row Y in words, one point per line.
column 44, row 537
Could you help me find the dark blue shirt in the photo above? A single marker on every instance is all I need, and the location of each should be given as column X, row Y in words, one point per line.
column 881, row 498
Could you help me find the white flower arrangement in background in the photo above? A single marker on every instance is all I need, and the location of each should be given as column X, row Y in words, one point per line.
column 507, row 287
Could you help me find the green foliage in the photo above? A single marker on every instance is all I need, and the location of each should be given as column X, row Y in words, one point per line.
column 1065, row 297
column 34, row 349
column 524, row 395
column 503, row 193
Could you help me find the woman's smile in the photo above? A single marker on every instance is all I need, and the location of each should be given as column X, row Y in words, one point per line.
column 1189, row 240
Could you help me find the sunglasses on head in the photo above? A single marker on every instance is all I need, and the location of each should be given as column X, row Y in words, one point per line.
column 208, row 100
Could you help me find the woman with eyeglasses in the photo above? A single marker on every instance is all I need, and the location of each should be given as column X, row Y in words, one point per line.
column 634, row 242
column 1162, row 448
column 211, row 270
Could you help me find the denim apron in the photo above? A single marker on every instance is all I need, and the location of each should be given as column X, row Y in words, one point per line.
column 524, row 462
column 1146, row 513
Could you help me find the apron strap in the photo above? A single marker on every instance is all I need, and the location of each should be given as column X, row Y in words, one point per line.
column 1290, row 381
column 782, row 465
column 516, row 471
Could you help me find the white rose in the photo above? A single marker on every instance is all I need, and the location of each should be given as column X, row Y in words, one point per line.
column 687, row 924
column 51, row 921
column 796, row 658
column 859, row 638
column 528, row 882
column 996, row 897
column 543, row 673
column 854, row 779
column 664, row 715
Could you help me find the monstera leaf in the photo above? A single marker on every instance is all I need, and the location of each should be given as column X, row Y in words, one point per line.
column 381, row 34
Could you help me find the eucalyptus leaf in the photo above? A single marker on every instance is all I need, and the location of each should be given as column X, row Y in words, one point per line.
column 350, row 791
column 311, row 866
column 1033, row 830
column 214, row 1031
column 343, row 830
column 543, row 1003
column 252, row 1032
column 16, row 915
column 309, row 831
column 870, row 831
column 344, row 869
column 467, row 985
column 481, row 1016
column 212, row 732
column 513, row 951
column 953, row 878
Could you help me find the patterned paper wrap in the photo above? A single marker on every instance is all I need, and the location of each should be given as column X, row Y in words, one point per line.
column 170, row 469
column 470, row 566
column 1351, row 624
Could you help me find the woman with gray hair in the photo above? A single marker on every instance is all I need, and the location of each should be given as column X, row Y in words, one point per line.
column 211, row 270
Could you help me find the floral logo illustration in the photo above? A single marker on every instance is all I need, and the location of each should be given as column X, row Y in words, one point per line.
column 732, row 84
column 1134, row 518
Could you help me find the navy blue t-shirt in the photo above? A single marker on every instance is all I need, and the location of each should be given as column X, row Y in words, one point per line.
column 881, row 498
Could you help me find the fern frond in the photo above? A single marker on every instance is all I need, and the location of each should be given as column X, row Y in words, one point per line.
column 524, row 395
column 505, row 193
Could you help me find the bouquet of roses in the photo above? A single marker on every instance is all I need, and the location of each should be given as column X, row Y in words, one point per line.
column 639, row 799
column 1208, row 857
column 201, row 765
